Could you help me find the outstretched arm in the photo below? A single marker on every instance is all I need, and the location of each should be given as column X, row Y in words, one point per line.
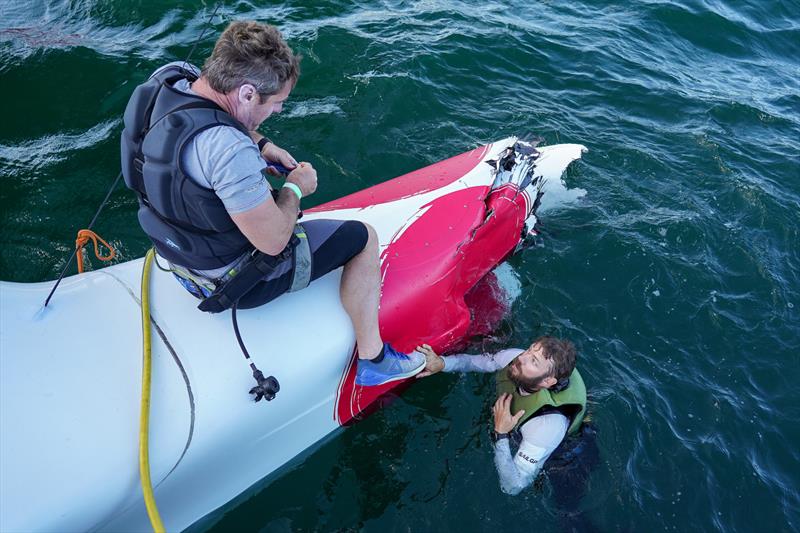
column 540, row 436
column 465, row 362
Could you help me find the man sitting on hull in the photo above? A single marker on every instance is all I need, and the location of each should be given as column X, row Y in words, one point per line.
column 191, row 152
column 541, row 399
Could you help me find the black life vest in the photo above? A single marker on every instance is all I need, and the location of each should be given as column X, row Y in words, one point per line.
column 186, row 221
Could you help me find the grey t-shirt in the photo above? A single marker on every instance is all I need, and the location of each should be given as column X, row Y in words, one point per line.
column 224, row 159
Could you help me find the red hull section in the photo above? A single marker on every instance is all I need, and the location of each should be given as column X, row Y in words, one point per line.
column 430, row 267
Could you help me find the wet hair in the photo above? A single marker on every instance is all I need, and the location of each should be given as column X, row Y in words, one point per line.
column 563, row 354
column 254, row 53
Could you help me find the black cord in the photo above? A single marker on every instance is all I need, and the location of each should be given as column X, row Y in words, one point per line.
column 162, row 269
column 265, row 388
column 202, row 34
column 239, row 335
column 90, row 226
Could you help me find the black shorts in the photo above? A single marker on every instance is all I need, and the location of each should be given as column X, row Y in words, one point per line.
column 333, row 243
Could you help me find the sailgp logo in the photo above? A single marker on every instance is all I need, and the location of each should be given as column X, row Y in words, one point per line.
column 169, row 242
column 528, row 458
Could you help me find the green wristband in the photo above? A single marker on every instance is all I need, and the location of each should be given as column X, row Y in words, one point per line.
column 295, row 188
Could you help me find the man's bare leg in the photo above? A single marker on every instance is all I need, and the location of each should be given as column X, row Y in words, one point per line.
column 360, row 291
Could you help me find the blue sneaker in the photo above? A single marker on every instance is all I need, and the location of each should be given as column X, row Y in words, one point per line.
column 394, row 367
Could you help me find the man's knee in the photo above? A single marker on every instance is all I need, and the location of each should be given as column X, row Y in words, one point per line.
column 360, row 235
column 350, row 239
column 372, row 237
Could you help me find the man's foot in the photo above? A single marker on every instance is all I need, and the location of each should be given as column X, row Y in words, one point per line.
column 391, row 366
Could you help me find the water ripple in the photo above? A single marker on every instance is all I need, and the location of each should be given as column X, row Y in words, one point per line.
column 36, row 154
column 37, row 27
column 677, row 274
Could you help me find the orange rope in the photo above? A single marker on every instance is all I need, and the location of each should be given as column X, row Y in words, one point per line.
column 84, row 236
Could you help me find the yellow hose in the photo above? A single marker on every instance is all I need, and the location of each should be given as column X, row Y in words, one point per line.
column 144, row 415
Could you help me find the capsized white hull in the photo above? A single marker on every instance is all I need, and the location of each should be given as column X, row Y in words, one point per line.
column 70, row 373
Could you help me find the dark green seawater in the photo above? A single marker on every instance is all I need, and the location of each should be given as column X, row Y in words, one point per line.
column 678, row 274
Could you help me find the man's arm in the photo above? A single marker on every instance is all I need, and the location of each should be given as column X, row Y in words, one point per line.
column 541, row 435
column 464, row 362
column 480, row 363
column 269, row 225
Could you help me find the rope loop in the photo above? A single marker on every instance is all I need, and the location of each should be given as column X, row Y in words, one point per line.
column 86, row 235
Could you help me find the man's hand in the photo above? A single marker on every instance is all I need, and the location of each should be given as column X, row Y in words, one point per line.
column 503, row 421
column 305, row 177
column 275, row 154
column 433, row 362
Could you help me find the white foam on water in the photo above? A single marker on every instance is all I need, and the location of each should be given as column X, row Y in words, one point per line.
column 315, row 106
column 51, row 149
column 508, row 281
column 28, row 28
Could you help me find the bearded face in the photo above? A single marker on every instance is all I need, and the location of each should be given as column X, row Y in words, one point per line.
column 531, row 382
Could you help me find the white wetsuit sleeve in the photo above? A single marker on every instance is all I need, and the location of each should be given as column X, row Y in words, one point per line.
column 540, row 436
column 480, row 363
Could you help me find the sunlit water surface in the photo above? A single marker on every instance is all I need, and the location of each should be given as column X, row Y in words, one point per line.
column 676, row 274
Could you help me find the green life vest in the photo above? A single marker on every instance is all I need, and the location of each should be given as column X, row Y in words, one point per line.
column 570, row 401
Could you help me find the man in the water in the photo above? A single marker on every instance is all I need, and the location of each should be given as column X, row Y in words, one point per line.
column 192, row 153
column 541, row 399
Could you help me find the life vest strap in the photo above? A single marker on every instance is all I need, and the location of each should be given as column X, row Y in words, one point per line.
column 229, row 292
column 301, row 258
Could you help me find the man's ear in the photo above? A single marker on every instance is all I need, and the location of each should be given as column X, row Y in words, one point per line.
column 247, row 92
column 549, row 381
